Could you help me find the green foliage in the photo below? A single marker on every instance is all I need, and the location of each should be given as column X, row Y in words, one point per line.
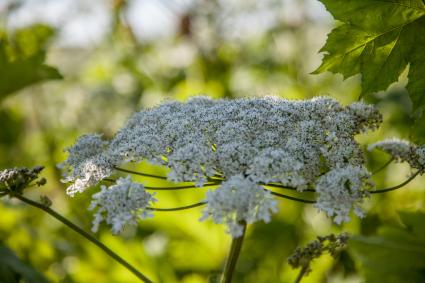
column 418, row 131
column 260, row 261
column 121, row 75
column 22, row 57
column 378, row 39
column 13, row 270
column 396, row 254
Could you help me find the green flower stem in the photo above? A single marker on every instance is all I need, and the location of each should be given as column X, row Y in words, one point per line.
column 291, row 198
column 274, row 185
column 178, row 187
column 398, row 186
column 85, row 235
column 178, row 208
column 378, row 191
column 172, row 188
column 139, row 173
column 232, row 259
column 214, row 179
column 303, row 272
column 382, row 167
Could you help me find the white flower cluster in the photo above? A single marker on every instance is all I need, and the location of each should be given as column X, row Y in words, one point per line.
column 265, row 140
column 239, row 199
column 87, row 163
column 341, row 190
column 403, row 151
column 203, row 137
column 121, row 204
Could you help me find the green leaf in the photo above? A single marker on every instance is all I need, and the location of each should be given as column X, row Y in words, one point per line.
column 417, row 129
column 378, row 39
column 13, row 270
column 396, row 254
column 22, row 57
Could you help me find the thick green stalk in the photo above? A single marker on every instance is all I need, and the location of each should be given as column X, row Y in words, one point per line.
column 232, row 259
column 86, row 235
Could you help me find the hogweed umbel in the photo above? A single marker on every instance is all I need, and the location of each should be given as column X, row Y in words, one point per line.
column 306, row 145
column 243, row 148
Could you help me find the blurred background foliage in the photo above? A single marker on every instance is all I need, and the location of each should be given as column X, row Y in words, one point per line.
column 72, row 67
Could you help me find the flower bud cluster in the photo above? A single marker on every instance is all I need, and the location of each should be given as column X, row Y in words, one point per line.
column 302, row 257
column 15, row 180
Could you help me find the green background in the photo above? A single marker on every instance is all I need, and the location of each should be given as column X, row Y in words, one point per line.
column 51, row 93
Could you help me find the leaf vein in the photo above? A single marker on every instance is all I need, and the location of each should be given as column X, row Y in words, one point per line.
column 389, row 55
column 377, row 36
column 402, row 5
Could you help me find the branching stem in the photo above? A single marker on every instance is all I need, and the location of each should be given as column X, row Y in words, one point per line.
column 378, row 191
column 86, row 235
column 274, row 185
column 398, row 186
column 291, row 198
column 177, row 187
column 382, row 167
column 172, row 188
column 178, row 208
column 139, row 173
column 215, row 179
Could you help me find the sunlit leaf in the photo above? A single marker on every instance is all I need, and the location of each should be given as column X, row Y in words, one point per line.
column 22, row 59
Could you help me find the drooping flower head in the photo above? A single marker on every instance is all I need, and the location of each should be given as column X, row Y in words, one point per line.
column 403, row 151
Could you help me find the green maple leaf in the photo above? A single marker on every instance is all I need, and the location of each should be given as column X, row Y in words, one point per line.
column 378, row 39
